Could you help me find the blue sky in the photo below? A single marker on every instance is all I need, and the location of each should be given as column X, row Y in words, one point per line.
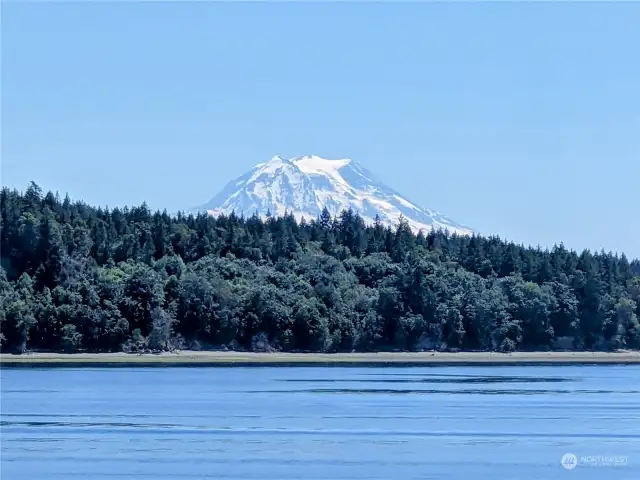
column 519, row 119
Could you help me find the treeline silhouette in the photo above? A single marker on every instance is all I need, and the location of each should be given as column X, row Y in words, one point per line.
column 80, row 278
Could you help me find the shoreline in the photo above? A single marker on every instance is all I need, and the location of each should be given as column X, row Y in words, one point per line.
column 222, row 359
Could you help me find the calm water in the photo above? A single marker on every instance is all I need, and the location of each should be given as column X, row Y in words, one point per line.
column 320, row 423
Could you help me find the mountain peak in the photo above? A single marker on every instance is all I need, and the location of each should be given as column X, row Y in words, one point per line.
column 275, row 161
column 305, row 185
column 318, row 165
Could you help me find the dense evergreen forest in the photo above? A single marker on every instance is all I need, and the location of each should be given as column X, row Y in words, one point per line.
column 79, row 278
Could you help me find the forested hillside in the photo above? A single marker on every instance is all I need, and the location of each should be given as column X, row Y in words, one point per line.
column 79, row 278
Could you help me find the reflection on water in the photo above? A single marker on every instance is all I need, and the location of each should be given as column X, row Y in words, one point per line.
column 438, row 379
column 338, row 423
column 406, row 391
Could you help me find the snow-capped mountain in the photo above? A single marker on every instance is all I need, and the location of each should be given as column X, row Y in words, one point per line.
column 305, row 185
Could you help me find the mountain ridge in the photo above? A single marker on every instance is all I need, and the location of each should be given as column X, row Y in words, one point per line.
column 305, row 185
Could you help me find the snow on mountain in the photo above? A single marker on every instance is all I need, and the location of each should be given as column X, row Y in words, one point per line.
column 305, row 185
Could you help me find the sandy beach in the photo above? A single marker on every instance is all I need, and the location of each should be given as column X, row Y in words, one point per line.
column 221, row 358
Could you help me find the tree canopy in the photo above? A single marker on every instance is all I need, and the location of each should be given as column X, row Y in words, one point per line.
column 81, row 278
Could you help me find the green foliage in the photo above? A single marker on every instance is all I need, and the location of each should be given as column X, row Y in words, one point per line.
column 78, row 278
